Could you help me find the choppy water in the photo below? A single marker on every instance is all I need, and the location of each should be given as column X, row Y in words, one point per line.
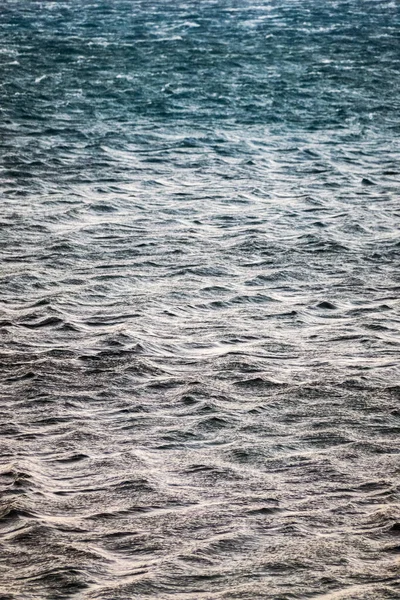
column 200, row 299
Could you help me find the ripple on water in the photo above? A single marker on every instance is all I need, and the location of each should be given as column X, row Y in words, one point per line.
column 199, row 310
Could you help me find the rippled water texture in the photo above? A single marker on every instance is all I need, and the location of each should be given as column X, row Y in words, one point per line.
column 200, row 300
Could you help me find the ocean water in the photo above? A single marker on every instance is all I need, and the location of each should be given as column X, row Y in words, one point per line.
column 199, row 299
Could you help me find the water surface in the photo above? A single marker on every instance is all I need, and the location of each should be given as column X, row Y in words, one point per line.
column 199, row 299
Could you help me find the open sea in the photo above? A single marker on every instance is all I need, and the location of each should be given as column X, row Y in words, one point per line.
column 199, row 300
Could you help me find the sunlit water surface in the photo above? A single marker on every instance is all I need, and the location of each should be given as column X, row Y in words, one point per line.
column 200, row 299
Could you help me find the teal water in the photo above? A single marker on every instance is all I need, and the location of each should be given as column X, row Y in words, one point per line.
column 199, row 305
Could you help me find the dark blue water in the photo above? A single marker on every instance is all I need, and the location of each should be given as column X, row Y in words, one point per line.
column 200, row 299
